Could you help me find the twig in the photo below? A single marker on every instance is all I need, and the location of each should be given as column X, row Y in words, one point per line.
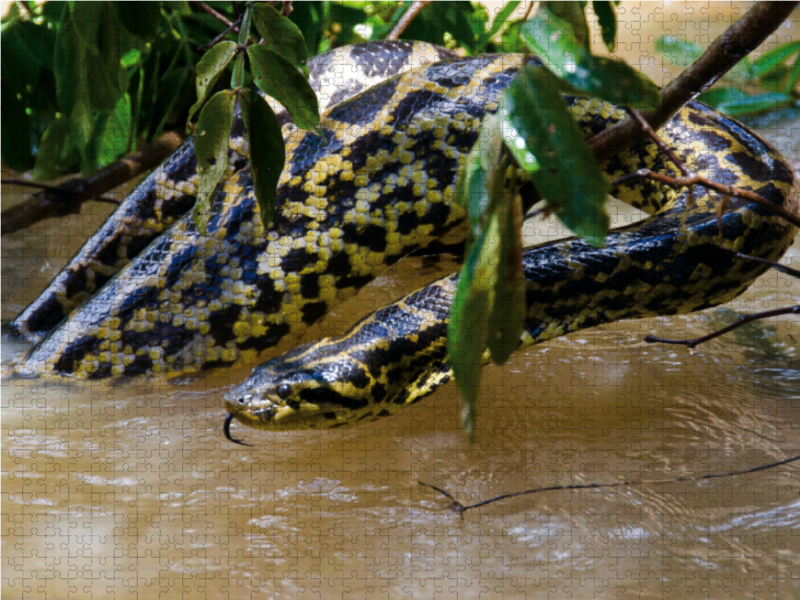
column 546, row 210
column 48, row 204
column 60, row 190
column 218, row 16
column 233, row 27
column 789, row 310
column 738, row 41
column 636, row 115
column 287, row 8
column 406, row 19
column 461, row 508
column 679, row 182
column 775, row 265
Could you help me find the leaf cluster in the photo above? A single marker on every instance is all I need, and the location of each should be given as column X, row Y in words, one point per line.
column 533, row 133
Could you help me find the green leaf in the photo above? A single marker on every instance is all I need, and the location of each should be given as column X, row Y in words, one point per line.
column 607, row 78
column 15, row 135
column 489, row 307
column 107, row 80
column 498, row 23
column 757, row 103
column 616, row 82
column 277, row 77
column 719, row 95
column 88, row 17
column 679, row 53
column 24, row 69
column 554, row 41
column 572, row 13
column 140, row 18
column 467, row 329
column 58, row 152
column 607, row 16
column 516, row 141
column 793, row 78
column 569, row 178
column 472, row 192
column 307, row 16
column 38, row 40
column 209, row 70
column 280, row 34
column 110, row 136
column 507, row 317
column 774, row 58
column 72, row 83
column 211, row 149
column 267, row 153
column 69, row 66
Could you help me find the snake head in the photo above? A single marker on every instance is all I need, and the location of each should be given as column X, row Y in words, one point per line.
column 302, row 390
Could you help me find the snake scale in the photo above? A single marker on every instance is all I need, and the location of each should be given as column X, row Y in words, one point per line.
column 378, row 186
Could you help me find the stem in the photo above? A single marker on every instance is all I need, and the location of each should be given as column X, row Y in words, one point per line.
column 679, row 182
column 460, row 508
column 218, row 16
column 216, row 40
column 53, row 189
column 406, row 19
column 789, row 310
column 49, row 204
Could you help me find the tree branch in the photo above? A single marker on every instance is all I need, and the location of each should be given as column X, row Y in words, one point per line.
column 406, row 19
column 460, row 508
column 789, row 310
column 66, row 199
column 217, row 15
column 738, row 41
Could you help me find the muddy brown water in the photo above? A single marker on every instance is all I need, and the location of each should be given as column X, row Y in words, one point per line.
column 132, row 491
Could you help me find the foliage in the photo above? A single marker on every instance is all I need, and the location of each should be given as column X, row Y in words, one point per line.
column 535, row 127
column 775, row 74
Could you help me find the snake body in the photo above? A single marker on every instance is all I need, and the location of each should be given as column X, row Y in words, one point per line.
column 680, row 260
column 170, row 191
column 377, row 186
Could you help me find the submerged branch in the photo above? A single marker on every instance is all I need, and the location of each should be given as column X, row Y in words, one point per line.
column 460, row 508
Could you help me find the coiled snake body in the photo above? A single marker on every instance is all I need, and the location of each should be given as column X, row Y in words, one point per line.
column 378, row 186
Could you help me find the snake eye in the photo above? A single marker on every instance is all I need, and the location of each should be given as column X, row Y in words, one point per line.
column 284, row 391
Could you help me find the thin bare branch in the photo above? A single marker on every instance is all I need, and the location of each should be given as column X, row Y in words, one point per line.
column 60, row 190
column 217, row 15
column 728, row 190
column 233, row 27
column 47, row 204
column 775, row 265
column 461, row 508
column 406, row 19
column 658, row 141
column 789, row 310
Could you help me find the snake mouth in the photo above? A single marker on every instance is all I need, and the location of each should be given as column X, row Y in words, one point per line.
column 274, row 417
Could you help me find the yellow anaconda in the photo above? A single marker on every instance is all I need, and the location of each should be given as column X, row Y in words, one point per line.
column 169, row 192
column 376, row 187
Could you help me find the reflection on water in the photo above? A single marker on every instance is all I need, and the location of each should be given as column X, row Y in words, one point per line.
column 131, row 489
